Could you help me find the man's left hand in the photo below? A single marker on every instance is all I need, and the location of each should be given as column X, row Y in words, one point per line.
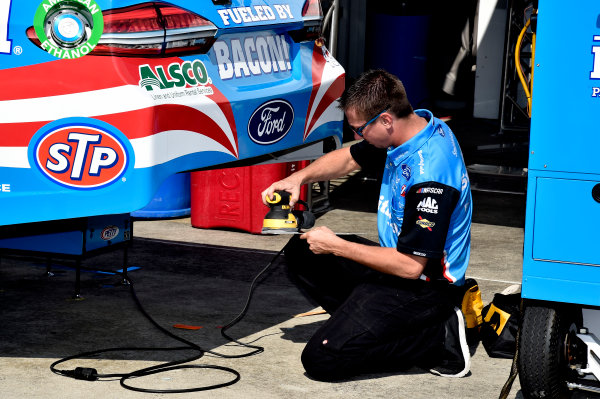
column 321, row 240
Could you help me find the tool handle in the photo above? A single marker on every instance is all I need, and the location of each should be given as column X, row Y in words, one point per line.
column 278, row 196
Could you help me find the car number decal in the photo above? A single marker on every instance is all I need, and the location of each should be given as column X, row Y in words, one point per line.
column 5, row 44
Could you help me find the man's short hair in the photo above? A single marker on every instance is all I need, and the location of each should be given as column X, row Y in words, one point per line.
column 374, row 91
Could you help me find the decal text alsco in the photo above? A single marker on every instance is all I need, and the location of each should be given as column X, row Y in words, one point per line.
column 192, row 73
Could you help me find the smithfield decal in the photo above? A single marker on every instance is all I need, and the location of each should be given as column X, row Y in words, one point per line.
column 271, row 121
column 84, row 154
column 191, row 76
column 109, row 233
column 252, row 56
column 68, row 29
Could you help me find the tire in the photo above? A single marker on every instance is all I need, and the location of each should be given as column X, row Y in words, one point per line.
column 542, row 366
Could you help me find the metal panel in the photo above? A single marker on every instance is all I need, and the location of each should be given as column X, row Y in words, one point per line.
column 560, row 257
column 566, row 222
column 491, row 30
column 566, row 90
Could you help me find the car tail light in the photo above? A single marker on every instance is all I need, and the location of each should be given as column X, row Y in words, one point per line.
column 312, row 16
column 187, row 32
column 312, row 11
column 146, row 30
column 152, row 29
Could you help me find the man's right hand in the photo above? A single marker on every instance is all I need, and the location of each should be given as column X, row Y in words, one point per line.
column 332, row 165
column 288, row 184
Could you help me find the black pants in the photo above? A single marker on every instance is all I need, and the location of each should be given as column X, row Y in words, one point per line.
column 378, row 322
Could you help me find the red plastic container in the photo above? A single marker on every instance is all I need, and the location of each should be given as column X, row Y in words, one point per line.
column 230, row 198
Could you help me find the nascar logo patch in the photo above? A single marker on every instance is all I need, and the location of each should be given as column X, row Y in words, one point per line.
column 84, row 155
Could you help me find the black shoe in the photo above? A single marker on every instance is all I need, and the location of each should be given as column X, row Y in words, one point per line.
column 456, row 359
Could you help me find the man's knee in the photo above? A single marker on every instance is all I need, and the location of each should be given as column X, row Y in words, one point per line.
column 322, row 365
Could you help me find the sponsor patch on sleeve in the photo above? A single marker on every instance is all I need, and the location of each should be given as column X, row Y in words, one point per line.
column 427, row 213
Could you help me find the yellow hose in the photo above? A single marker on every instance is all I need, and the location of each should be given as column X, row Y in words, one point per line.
column 520, row 70
column 532, row 69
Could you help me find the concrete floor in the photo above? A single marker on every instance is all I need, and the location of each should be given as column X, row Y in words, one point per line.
column 201, row 278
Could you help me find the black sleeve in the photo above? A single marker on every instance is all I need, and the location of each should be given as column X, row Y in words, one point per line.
column 427, row 212
column 369, row 157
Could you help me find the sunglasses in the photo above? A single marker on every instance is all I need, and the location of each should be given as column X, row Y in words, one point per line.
column 360, row 129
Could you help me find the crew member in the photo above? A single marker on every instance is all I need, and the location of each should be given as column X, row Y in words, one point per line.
column 392, row 304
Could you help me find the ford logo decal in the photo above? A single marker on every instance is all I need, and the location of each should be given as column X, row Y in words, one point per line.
column 271, row 121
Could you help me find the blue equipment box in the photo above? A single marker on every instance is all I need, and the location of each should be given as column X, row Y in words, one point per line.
column 561, row 258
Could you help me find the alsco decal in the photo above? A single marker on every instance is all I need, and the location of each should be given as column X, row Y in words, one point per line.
column 271, row 121
column 176, row 75
column 84, row 155
column 252, row 56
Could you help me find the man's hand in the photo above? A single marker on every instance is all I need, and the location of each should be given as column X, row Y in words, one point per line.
column 322, row 240
column 288, row 184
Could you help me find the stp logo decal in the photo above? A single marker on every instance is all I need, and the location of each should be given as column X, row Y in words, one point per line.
column 271, row 121
column 109, row 233
column 81, row 153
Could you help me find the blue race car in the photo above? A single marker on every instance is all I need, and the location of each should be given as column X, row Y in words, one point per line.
column 102, row 100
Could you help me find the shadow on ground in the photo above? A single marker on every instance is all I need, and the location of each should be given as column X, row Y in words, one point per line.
column 191, row 284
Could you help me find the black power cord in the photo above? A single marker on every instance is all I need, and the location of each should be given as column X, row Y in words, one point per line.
column 91, row 374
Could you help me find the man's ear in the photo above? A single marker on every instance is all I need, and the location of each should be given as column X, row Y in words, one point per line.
column 386, row 119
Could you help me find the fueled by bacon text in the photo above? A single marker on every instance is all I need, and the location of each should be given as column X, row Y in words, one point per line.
column 252, row 56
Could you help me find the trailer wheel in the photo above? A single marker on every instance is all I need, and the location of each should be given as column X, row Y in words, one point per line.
column 542, row 361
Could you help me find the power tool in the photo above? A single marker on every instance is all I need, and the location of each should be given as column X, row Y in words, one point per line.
column 282, row 219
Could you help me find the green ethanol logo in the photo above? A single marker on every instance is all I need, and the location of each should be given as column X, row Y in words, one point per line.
column 68, row 29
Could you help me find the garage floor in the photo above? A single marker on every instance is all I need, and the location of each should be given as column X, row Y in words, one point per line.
column 201, row 278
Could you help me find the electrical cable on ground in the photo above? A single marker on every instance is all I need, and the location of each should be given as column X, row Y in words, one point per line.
column 514, row 368
column 90, row 374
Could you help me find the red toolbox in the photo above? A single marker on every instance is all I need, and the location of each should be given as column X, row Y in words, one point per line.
column 230, row 198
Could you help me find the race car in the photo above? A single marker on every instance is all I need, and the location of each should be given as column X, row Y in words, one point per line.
column 102, row 100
